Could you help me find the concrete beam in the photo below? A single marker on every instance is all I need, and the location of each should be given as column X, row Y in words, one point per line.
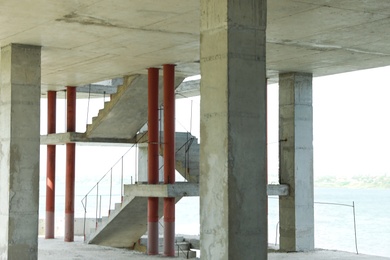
column 101, row 89
column 188, row 189
column 188, row 89
column 278, row 190
column 179, row 189
column 73, row 137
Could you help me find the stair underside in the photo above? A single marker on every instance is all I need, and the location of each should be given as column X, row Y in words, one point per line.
column 127, row 226
column 127, row 111
column 129, row 222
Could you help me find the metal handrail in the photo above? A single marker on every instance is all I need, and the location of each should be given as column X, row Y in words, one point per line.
column 98, row 208
column 187, row 254
column 189, row 141
column 96, row 186
column 335, row 204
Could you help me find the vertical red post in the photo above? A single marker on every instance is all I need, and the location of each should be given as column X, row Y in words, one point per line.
column 50, row 166
column 70, row 165
column 153, row 166
column 169, row 157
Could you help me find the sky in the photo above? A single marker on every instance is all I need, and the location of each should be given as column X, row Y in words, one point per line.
column 350, row 124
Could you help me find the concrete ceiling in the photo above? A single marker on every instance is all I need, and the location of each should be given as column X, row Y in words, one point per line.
column 86, row 41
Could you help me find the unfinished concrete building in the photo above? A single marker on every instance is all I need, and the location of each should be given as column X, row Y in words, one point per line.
column 237, row 47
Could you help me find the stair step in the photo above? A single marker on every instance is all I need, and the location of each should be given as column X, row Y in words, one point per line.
column 92, row 230
column 104, row 220
column 118, row 206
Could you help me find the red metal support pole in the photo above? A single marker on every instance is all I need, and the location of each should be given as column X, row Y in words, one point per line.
column 70, row 165
column 169, row 157
column 153, row 155
column 50, row 166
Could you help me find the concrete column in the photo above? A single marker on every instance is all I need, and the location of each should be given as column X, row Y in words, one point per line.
column 70, row 165
column 233, row 181
column 296, row 211
column 20, row 92
column 142, row 163
column 50, row 166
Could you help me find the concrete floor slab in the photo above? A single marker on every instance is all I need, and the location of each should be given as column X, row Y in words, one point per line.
column 126, row 37
column 59, row 250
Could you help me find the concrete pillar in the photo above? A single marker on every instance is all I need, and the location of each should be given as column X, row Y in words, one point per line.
column 70, row 165
column 142, row 163
column 20, row 92
column 233, row 181
column 296, row 211
column 50, row 166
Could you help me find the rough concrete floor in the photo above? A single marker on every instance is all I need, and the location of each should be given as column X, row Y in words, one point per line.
column 59, row 250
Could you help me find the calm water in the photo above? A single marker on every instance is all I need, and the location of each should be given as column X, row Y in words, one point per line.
column 334, row 224
column 334, row 228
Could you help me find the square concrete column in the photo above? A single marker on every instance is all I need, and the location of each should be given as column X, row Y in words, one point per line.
column 233, row 181
column 296, row 211
column 20, row 91
column 143, row 164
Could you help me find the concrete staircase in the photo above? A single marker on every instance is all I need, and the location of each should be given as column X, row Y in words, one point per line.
column 128, row 221
column 122, row 117
column 125, row 224
column 127, row 111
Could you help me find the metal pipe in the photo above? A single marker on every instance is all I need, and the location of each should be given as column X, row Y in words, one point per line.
column 109, row 203
column 85, row 216
column 153, row 167
column 97, row 205
column 50, row 166
column 169, row 157
column 70, row 165
column 354, row 225
column 122, row 180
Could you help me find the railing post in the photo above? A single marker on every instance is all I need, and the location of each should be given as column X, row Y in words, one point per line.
column 85, row 216
column 135, row 163
column 97, row 204
column 109, row 203
column 100, row 207
column 122, row 180
column 354, row 224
